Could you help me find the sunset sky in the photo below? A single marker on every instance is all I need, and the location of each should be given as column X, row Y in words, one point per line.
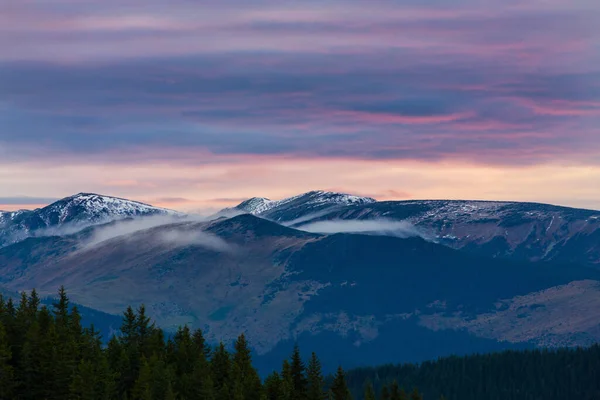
column 197, row 105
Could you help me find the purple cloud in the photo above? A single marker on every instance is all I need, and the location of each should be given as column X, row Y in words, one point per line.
column 507, row 83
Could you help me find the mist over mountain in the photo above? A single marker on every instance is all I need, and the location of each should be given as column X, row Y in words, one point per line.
column 342, row 274
column 72, row 214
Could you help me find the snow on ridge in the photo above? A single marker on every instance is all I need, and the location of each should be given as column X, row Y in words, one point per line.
column 95, row 207
column 256, row 205
column 8, row 216
column 260, row 205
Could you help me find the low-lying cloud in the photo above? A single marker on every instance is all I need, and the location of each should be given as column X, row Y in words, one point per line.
column 309, row 217
column 166, row 231
column 182, row 238
column 384, row 227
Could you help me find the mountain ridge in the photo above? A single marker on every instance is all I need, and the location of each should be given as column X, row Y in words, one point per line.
column 72, row 213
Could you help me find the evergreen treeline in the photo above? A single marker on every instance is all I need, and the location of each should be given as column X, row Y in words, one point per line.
column 564, row 374
column 45, row 353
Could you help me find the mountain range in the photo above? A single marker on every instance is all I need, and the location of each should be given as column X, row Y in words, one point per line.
column 345, row 275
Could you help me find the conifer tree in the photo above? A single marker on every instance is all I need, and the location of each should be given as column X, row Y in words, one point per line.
column 84, row 384
column 249, row 379
column 184, row 359
column 395, row 391
column 144, row 328
column 30, row 380
column 7, row 382
column 201, row 344
column 34, row 303
column 369, row 392
column 220, row 369
column 273, row 389
column 128, row 328
column 61, row 310
column 298, row 370
column 415, row 395
column 202, row 378
column 170, row 393
column 339, row 388
column 316, row 382
column 385, row 393
column 236, row 383
column 66, row 362
column 224, row 393
column 142, row 389
column 403, row 395
column 287, row 381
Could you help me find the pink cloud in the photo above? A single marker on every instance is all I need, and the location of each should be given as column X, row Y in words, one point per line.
column 571, row 108
column 387, row 118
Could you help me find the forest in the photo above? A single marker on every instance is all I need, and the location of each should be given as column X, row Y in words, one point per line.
column 46, row 353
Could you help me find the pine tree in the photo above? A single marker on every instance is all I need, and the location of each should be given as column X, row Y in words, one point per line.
column 144, row 328
column 236, row 383
column 66, row 362
column 298, row 370
column 200, row 343
column 142, row 389
column 129, row 336
column 415, row 395
column 403, row 395
column 61, row 309
column 30, row 379
column 204, row 387
column 316, row 382
column 251, row 386
column 287, row 381
column 273, row 388
column 223, row 393
column 220, row 369
column 7, row 382
column 34, row 303
column 395, row 391
column 369, row 392
column 184, row 360
column 339, row 389
column 385, row 393
column 84, row 383
column 170, row 393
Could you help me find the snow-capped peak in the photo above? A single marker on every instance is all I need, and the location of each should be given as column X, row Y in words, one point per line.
column 318, row 196
column 256, row 205
column 261, row 205
column 91, row 207
column 74, row 213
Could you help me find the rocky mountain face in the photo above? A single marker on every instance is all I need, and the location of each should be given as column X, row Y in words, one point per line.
column 71, row 214
column 463, row 276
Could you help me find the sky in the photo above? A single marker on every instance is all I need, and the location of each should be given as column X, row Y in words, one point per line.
column 197, row 105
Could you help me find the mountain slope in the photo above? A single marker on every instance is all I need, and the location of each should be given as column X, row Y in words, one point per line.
column 70, row 214
column 524, row 231
column 340, row 291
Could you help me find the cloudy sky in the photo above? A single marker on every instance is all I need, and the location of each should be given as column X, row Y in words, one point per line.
column 197, row 104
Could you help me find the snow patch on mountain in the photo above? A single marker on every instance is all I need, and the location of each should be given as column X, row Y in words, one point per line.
column 261, row 205
column 72, row 214
column 92, row 207
column 256, row 205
